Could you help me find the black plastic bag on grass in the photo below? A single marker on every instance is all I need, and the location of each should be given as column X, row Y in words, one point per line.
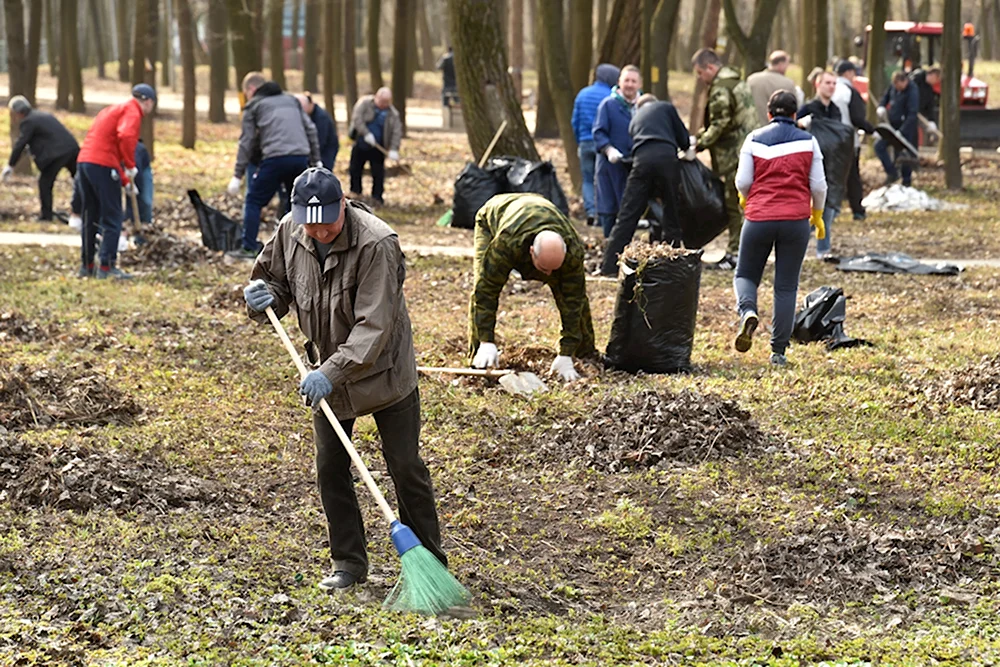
column 473, row 188
column 655, row 315
column 218, row 231
column 539, row 178
column 701, row 203
column 822, row 318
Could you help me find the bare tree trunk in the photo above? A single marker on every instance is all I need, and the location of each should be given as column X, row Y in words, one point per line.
column 581, row 39
column 951, row 86
column 98, row 40
column 69, row 66
column 218, row 58
column 488, row 97
column 546, row 126
column 121, row 21
column 402, row 36
column 310, row 51
column 243, row 39
column 34, row 49
column 329, row 54
column 424, row 33
column 189, row 130
column 911, row 10
column 820, row 34
column 876, row 48
column 336, row 45
column 807, row 23
column 350, row 58
column 709, row 37
column 275, row 41
column 665, row 25
column 557, row 70
column 622, row 43
column 515, row 45
column 645, row 47
column 697, row 26
column 602, row 20
column 167, row 75
column 147, row 28
column 17, row 65
column 753, row 45
column 374, row 52
column 296, row 60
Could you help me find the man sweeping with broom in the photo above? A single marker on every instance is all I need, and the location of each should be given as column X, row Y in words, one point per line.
column 343, row 269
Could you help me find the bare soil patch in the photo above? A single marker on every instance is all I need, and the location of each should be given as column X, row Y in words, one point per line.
column 46, row 397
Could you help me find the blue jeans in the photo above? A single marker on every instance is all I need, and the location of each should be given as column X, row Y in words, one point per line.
column 789, row 238
column 588, row 161
column 889, row 163
column 143, row 181
column 101, row 191
column 607, row 221
column 270, row 176
column 829, row 214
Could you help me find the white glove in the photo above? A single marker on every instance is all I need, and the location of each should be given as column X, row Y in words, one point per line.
column 5, row 174
column 123, row 242
column 234, row 186
column 318, row 164
column 694, row 140
column 932, row 126
column 130, row 189
column 882, row 114
column 613, row 154
column 563, row 367
column 75, row 222
column 394, row 155
column 370, row 139
column 131, row 172
column 690, row 154
column 806, row 122
column 486, row 356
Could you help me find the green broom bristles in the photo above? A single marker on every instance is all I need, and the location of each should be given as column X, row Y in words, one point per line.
column 425, row 586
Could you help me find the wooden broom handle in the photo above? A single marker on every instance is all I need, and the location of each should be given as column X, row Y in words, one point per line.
column 489, row 149
column 387, row 512
column 479, row 372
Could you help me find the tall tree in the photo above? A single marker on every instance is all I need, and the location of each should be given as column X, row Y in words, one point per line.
column 602, row 20
column 807, row 38
column 698, row 17
column 753, row 45
column 374, row 50
column 218, row 59
column 876, row 48
column 709, row 38
column 34, row 48
column 334, row 48
column 17, row 65
column 820, row 32
column 581, row 39
column 350, row 58
column 515, row 42
column 329, row 57
column 645, row 35
column 275, row 40
column 98, row 41
column 622, row 43
column 121, row 25
column 951, row 86
column 557, row 70
column 311, row 51
column 401, row 41
column 488, row 97
column 546, row 126
column 296, row 60
column 243, row 38
column 189, row 129
column 145, row 33
column 69, row 66
column 424, row 33
column 665, row 25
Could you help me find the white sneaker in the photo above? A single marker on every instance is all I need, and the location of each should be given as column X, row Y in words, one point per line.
column 75, row 222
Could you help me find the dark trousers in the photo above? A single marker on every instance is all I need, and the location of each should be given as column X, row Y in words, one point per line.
column 271, row 174
column 789, row 238
column 653, row 175
column 399, row 429
column 855, row 192
column 889, row 163
column 47, row 178
column 360, row 154
column 101, row 190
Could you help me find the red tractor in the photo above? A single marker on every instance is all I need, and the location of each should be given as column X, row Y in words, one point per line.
column 910, row 45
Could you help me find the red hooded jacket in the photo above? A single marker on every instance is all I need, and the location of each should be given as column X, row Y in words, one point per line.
column 112, row 138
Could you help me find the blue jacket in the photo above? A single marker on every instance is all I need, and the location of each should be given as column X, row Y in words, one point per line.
column 326, row 133
column 611, row 128
column 587, row 100
column 903, row 107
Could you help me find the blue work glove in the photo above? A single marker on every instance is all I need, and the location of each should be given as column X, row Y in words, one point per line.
column 257, row 296
column 315, row 386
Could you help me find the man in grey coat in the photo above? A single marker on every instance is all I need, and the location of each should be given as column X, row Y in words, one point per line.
column 276, row 125
column 377, row 131
column 343, row 269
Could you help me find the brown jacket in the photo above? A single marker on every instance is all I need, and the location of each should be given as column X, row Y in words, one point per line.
column 762, row 86
column 352, row 308
column 364, row 113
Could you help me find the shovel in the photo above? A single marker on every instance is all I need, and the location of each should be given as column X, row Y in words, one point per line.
column 523, row 383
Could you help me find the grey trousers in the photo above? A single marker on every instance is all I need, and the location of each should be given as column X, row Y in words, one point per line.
column 789, row 238
column 399, row 428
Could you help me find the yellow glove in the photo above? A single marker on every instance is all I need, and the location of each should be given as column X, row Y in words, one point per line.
column 816, row 220
column 743, row 200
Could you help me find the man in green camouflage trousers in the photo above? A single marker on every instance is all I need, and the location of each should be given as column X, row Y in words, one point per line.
column 527, row 233
column 730, row 115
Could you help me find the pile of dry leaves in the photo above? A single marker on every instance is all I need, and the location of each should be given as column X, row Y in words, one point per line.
column 73, row 395
column 161, row 249
column 14, row 325
column 976, row 386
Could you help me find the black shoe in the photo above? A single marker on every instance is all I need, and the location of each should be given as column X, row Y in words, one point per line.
column 859, row 216
column 727, row 263
column 890, row 179
column 341, row 581
column 591, row 222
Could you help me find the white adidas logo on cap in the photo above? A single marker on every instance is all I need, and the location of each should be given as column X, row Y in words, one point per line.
column 313, row 200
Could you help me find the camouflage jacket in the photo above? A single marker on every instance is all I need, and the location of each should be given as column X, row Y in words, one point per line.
column 730, row 116
column 506, row 225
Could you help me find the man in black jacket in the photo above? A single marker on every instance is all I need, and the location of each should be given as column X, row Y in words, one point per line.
column 852, row 113
column 925, row 81
column 50, row 144
column 657, row 133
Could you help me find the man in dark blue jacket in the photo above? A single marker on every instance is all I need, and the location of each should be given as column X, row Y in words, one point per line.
column 326, row 129
column 584, row 113
column 613, row 142
column 900, row 105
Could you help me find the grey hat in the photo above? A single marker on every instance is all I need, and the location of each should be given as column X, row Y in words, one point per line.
column 19, row 103
column 316, row 196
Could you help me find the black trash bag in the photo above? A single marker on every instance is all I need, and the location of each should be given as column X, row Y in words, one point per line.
column 655, row 316
column 473, row 188
column 701, row 203
column 540, row 178
column 218, row 231
column 895, row 262
column 836, row 140
column 822, row 317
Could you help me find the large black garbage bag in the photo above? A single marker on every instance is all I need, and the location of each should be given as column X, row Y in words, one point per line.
column 540, row 178
column 655, row 315
column 218, row 231
column 473, row 188
column 822, row 318
column 701, row 203
column 836, row 140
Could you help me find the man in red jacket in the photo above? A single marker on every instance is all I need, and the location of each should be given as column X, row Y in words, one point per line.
column 106, row 164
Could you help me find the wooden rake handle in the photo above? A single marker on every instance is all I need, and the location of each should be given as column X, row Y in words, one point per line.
column 477, row 372
column 387, row 512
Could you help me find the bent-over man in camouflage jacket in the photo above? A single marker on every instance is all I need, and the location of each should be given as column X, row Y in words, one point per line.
column 527, row 233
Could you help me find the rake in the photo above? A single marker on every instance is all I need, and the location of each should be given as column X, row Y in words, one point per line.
column 425, row 585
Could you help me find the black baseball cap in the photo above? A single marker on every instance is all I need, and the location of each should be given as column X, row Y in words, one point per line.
column 316, row 196
column 845, row 66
